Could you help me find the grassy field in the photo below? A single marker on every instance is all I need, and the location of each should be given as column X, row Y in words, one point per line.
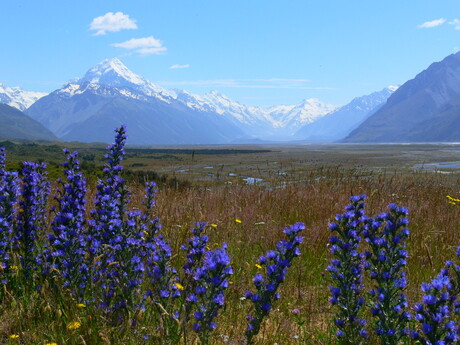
column 286, row 185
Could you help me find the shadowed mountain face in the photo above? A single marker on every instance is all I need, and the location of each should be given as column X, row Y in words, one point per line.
column 14, row 124
column 424, row 109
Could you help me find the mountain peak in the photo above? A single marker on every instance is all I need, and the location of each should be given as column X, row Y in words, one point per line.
column 112, row 72
column 18, row 97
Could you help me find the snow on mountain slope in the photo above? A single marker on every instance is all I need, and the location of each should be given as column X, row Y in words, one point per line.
column 282, row 118
column 298, row 115
column 221, row 104
column 19, row 98
column 114, row 73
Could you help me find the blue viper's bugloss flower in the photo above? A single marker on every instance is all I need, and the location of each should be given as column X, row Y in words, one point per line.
column 111, row 197
column 346, row 270
column 67, row 242
column 195, row 252
column 8, row 198
column 454, row 269
column 211, row 282
column 117, row 244
column 196, row 247
column 151, row 221
column 276, row 263
column 31, row 218
column 387, row 235
column 435, row 312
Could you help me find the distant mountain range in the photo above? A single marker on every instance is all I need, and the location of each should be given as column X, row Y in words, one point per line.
column 339, row 123
column 14, row 124
column 426, row 108
column 110, row 94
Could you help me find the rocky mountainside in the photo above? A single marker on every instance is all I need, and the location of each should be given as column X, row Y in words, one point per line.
column 424, row 109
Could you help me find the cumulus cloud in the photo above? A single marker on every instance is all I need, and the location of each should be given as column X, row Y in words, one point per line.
column 455, row 23
column 112, row 22
column 179, row 66
column 144, row 46
column 432, row 23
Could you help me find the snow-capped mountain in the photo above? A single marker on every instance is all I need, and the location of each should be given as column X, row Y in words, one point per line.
column 19, row 98
column 220, row 104
column 114, row 73
column 297, row 115
column 339, row 123
column 87, row 109
column 276, row 122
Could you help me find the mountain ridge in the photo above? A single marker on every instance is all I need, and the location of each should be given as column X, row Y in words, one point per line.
column 14, row 124
column 419, row 109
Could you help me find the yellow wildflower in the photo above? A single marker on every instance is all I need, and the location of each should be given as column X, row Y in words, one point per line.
column 238, row 221
column 51, row 344
column 73, row 325
column 258, row 266
column 14, row 336
column 214, row 225
column 180, row 286
column 81, row 305
column 452, row 201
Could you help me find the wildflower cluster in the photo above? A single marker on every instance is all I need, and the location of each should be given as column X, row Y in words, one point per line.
column 387, row 235
column 31, row 220
column 452, row 200
column 8, row 199
column 347, row 273
column 111, row 198
column 435, row 312
column 276, row 263
column 196, row 248
column 67, row 241
column 212, row 281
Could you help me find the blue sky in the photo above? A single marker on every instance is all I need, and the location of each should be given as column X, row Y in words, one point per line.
column 256, row 52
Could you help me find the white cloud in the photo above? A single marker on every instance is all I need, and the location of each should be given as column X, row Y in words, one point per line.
column 144, row 46
column 112, row 22
column 432, row 23
column 179, row 66
column 456, row 24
